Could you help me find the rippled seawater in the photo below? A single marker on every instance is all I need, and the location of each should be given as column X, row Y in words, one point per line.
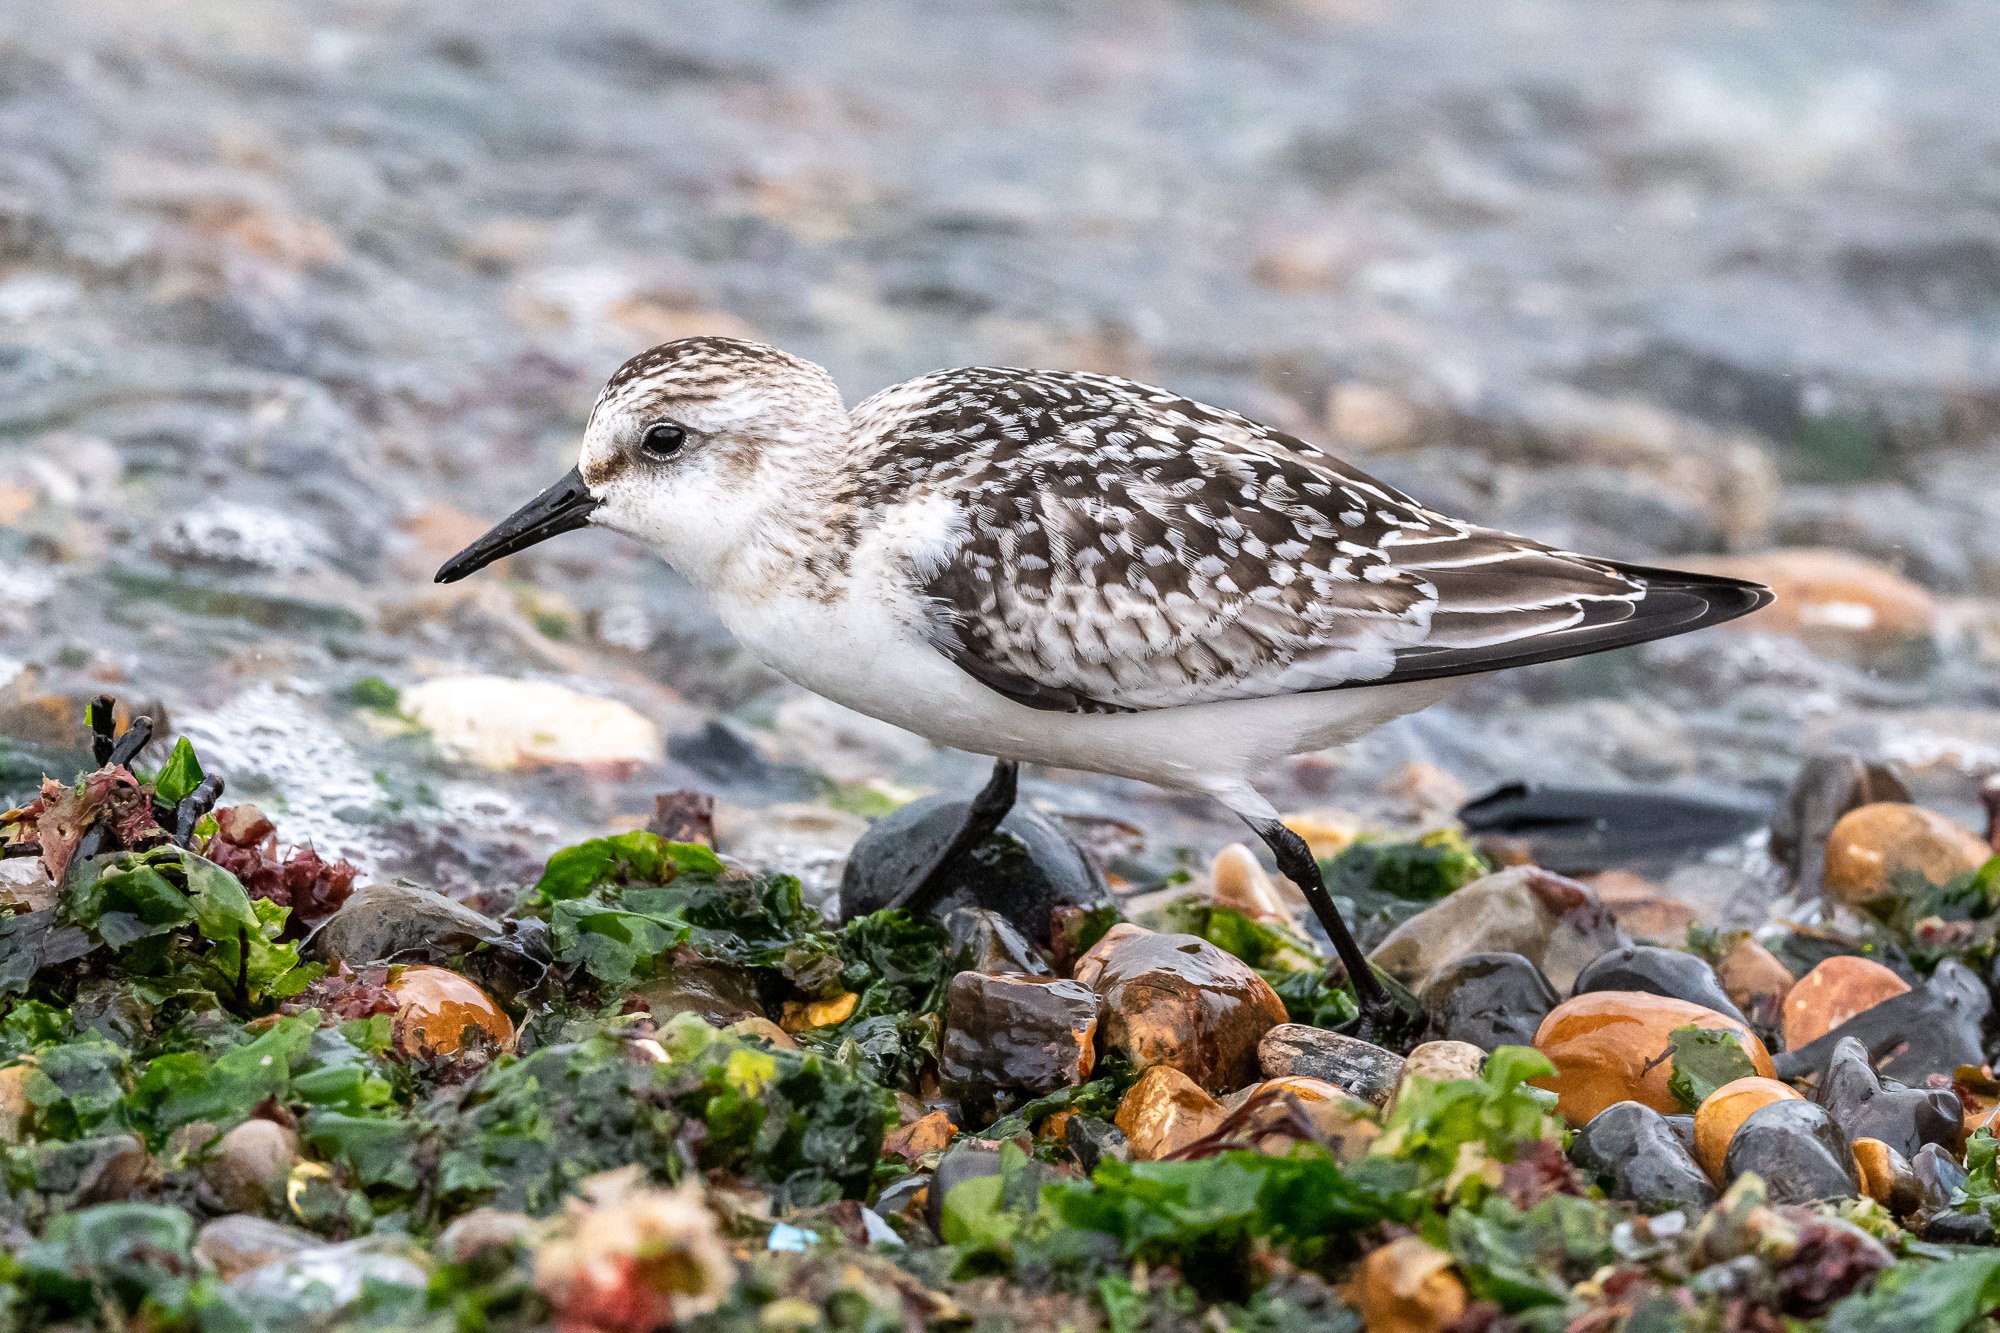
column 294, row 297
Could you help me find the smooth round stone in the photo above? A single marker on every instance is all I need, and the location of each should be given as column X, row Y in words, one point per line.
column 1958, row 1229
column 1635, row 1154
column 1439, row 1062
column 383, row 921
column 1657, row 971
column 1797, row 1150
column 437, row 1008
column 251, row 1164
column 1607, row 1047
column 237, row 1243
column 1723, row 1112
column 1024, row 871
column 1873, row 844
column 1904, row 1119
column 1833, row 992
column 1488, row 999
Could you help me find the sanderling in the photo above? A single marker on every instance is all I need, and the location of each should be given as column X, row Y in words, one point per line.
column 1077, row 570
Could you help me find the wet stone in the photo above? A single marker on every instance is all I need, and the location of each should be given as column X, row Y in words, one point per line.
column 1938, row 1175
column 1165, row 1111
column 1754, row 980
column 1635, row 1154
column 1488, row 999
column 381, row 922
column 251, row 1164
column 1092, row 1140
column 439, row 1011
column 985, row 941
column 1886, row 1177
column 1957, row 1229
column 1905, row 1119
column 1555, row 923
column 1179, row 1000
column 1278, row 1114
column 1439, row 1062
column 1024, row 871
column 1361, row 1068
column 1956, row 1003
column 1407, row 1286
column 1798, row 1152
column 719, row 995
column 1657, row 971
column 1015, row 1033
column 1607, row 1047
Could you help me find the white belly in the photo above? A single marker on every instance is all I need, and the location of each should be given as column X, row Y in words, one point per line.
column 865, row 656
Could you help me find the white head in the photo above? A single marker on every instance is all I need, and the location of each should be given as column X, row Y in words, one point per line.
column 689, row 445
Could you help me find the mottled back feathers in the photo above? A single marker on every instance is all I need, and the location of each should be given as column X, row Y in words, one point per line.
column 1116, row 547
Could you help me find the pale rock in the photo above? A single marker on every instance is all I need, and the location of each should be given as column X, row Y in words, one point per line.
column 240, row 1243
column 1555, row 923
column 502, row 723
column 251, row 1164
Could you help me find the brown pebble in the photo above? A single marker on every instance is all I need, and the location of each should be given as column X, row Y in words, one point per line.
column 1407, row 1286
column 251, row 1164
column 1342, row 1122
column 1752, row 976
column 1874, row 844
column 436, row 1008
column 1165, row 1111
column 1178, row 1000
column 925, row 1135
column 1833, row 992
column 1887, row 1177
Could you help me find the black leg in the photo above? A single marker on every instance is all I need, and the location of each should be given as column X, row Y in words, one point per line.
column 1296, row 863
column 983, row 816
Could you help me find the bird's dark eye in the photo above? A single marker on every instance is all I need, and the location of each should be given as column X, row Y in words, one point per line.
column 663, row 439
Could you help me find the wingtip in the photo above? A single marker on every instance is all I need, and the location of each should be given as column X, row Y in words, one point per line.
column 1724, row 597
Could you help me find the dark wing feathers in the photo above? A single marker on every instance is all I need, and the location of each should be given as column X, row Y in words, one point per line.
column 1125, row 548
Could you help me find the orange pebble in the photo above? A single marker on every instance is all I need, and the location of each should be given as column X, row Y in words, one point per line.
column 435, row 1006
column 1833, row 992
column 1724, row 1110
column 1613, row 1046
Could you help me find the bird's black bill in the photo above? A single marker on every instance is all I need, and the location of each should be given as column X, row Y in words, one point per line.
column 563, row 507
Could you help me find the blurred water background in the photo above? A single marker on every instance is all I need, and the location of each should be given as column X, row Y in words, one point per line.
column 296, row 296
